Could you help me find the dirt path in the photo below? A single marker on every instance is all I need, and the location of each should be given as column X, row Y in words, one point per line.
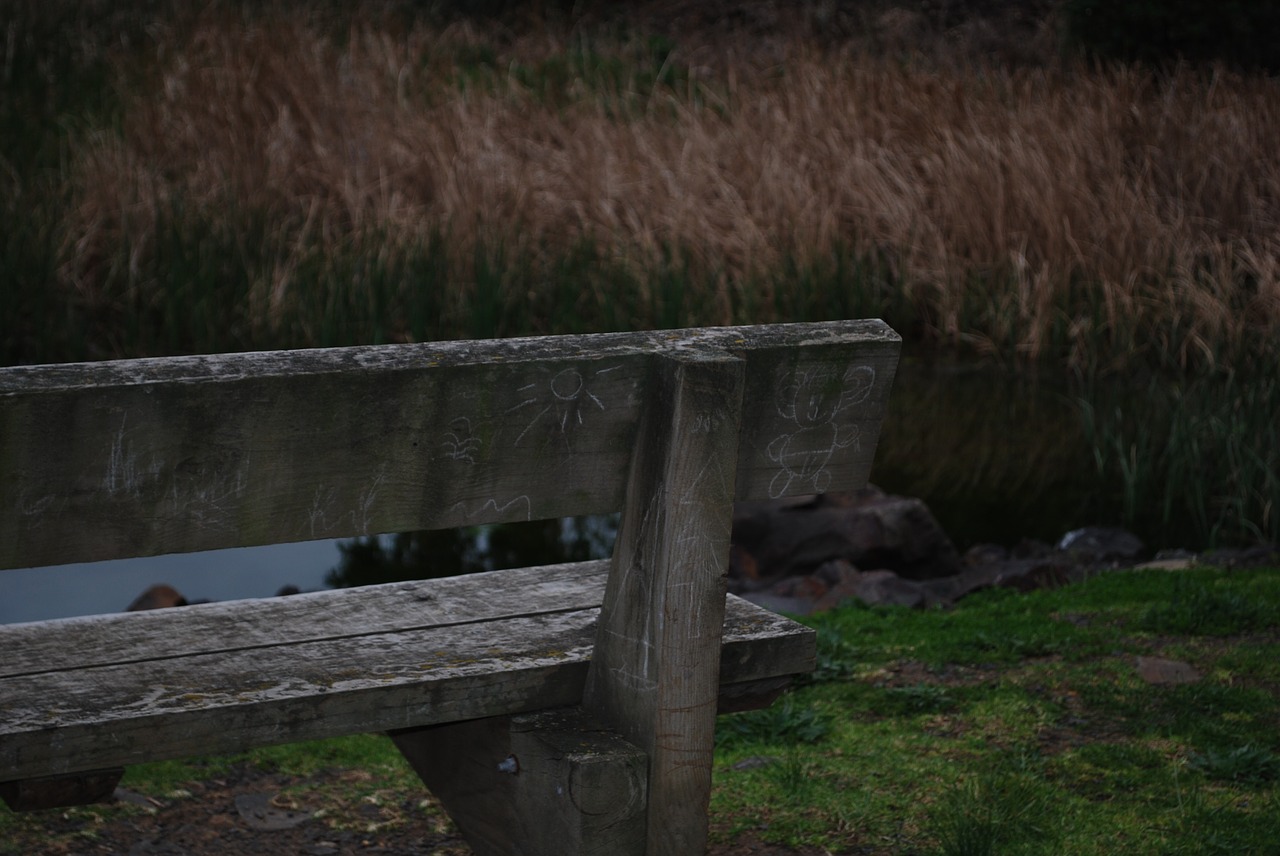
column 252, row 812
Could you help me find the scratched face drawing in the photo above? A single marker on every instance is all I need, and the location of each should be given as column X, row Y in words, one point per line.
column 555, row 408
column 815, row 399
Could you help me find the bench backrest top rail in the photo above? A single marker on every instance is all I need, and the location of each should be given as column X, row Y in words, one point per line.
column 164, row 455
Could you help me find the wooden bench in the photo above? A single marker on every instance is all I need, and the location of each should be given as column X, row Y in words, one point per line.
column 558, row 709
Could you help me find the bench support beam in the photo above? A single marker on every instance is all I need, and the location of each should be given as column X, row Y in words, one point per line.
column 61, row 791
column 654, row 674
column 550, row 783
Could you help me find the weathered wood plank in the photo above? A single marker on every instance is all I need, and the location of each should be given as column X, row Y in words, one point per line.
column 663, row 606
column 177, row 705
column 143, row 457
column 79, row 643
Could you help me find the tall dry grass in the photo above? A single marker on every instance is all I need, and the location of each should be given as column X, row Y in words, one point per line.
column 1090, row 215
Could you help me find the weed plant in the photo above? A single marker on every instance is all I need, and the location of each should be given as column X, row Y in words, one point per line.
column 1201, row 454
column 786, row 722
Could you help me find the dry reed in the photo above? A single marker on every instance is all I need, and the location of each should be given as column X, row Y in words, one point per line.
column 1039, row 212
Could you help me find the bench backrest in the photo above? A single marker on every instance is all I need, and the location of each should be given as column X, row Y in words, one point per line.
column 144, row 457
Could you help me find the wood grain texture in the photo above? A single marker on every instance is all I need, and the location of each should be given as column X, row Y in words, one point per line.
column 246, row 625
column 651, row 678
column 178, row 693
column 145, row 457
column 553, row 782
column 60, row 791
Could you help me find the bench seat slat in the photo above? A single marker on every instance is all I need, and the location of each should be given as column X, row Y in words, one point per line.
column 177, row 704
column 78, row 643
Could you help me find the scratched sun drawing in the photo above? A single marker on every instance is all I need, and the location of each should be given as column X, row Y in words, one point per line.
column 552, row 409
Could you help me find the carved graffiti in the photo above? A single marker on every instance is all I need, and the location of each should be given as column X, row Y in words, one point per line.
column 814, row 400
column 571, row 401
column 126, row 473
column 460, row 442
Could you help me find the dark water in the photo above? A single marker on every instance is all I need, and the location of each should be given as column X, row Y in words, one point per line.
column 98, row 587
column 996, row 458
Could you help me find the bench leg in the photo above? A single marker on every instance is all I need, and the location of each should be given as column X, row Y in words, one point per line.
column 655, row 669
column 61, row 791
column 544, row 784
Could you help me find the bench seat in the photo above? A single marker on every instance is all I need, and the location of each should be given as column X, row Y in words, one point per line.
column 97, row 692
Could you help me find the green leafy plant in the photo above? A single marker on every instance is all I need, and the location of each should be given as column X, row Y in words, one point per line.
column 785, row 722
column 920, row 698
column 837, row 656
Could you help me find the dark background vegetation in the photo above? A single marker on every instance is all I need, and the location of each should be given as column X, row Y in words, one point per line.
column 1244, row 34
column 1169, row 372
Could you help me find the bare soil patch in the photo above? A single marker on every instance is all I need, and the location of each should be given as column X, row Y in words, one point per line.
column 254, row 812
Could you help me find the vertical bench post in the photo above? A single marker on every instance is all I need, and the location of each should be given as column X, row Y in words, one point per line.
column 654, row 673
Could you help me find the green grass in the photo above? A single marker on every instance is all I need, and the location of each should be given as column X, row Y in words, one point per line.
column 1017, row 724
column 1210, row 608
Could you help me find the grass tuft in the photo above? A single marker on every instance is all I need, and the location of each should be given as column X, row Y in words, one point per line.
column 995, row 812
column 1248, row 765
column 1201, row 608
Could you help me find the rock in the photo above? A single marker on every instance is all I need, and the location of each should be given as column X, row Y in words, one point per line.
column 807, row 554
column 1101, row 544
column 1156, row 670
column 782, row 605
column 1166, row 565
column 834, row 583
column 984, row 554
column 262, row 811
column 756, row 761
column 837, row 573
column 157, row 597
column 742, row 565
column 1031, row 574
column 808, row 587
column 874, row 588
column 1243, row 557
column 1030, row 548
column 869, row 529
